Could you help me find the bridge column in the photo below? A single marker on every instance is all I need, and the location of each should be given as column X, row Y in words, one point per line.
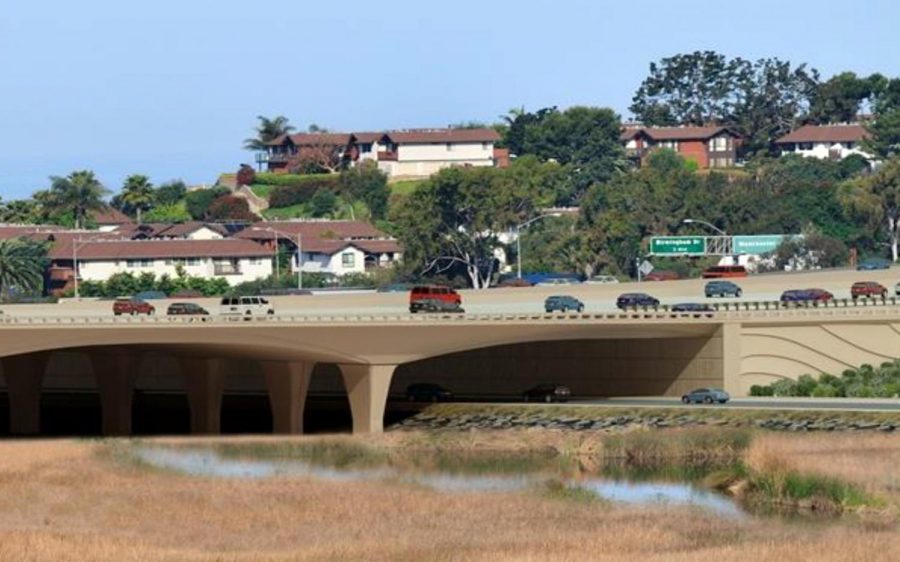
column 287, row 383
column 367, row 389
column 204, row 382
column 24, row 376
column 731, row 358
column 116, row 373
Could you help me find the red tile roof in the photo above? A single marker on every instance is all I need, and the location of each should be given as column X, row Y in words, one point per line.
column 336, row 230
column 18, row 230
column 138, row 249
column 826, row 133
column 315, row 139
column 368, row 137
column 418, row 136
column 109, row 216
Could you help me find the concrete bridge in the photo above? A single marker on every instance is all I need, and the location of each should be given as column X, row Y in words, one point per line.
column 605, row 354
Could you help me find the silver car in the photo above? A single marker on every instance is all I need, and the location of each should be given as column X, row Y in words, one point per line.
column 706, row 396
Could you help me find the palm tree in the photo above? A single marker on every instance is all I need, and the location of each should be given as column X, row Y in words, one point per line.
column 21, row 265
column 78, row 193
column 137, row 192
column 268, row 130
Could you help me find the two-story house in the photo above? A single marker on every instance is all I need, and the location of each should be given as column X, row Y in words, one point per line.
column 833, row 142
column 709, row 147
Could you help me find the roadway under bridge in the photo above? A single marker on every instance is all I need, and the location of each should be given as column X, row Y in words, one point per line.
column 368, row 357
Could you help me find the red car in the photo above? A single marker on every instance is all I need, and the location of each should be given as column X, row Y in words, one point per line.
column 132, row 306
column 868, row 289
column 661, row 276
column 819, row 295
column 423, row 296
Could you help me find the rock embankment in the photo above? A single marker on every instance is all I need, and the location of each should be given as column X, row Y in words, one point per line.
column 435, row 418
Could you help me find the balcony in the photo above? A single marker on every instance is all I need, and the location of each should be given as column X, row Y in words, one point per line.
column 387, row 156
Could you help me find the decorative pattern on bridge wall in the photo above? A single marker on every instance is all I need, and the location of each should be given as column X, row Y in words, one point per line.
column 774, row 352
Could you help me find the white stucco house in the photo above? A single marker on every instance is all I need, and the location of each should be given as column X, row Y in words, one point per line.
column 833, row 142
column 234, row 260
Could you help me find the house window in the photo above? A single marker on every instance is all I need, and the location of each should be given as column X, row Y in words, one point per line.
column 718, row 144
column 449, row 146
column 255, row 261
column 669, row 144
column 484, row 146
column 348, row 260
column 192, row 261
column 138, row 264
column 805, row 146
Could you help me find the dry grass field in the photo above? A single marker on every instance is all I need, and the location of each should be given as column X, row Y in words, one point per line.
column 61, row 500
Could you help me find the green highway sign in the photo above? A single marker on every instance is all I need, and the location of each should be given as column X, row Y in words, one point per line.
column 678, row 245
column 762, row 244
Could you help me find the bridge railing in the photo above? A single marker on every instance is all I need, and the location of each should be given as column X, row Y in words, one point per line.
column 715, row 311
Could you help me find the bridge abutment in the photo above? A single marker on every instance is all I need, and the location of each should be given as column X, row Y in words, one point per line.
column 204, row 382
column 115, row 373
column 287, row 384
column 367, row 390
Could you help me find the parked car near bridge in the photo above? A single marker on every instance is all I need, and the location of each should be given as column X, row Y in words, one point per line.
column 706, row 396
column 562, row 303
column 132, row 306
column 547, row 393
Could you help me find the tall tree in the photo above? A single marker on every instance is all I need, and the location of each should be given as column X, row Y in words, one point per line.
column 877, row 197
column 75, row 195
column 22, row 211
column 885, row 127
column 267, row 131
column 137, row 193
column 840, row 98
column 22, row 264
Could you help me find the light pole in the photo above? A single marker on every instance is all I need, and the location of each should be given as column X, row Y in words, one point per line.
column 277, row 261
column 299, row 260
column 519, row 227
column 709, row 224
column 76, row 243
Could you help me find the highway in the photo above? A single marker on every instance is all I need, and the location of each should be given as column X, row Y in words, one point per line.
column 837, row 404
column 597, row 298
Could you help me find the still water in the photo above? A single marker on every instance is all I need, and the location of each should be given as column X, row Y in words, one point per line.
column 461, row 476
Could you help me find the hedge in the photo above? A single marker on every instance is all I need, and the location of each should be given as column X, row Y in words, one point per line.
column 291, row 180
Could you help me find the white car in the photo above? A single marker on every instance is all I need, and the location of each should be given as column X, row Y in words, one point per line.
column 602, row 280
column 246, row 306
column 553, row 281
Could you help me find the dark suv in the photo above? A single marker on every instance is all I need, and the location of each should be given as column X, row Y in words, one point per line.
column 562, row 303
column 722, row 289
column 427, row 392
column 635, row 300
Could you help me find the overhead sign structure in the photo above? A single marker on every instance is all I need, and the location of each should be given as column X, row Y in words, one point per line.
column 763, row 244
column 678, row 245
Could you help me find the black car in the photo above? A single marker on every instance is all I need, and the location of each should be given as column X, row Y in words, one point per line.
column 547, row 393
column 427, row 392
column 186, row 309
column 563, row 303
column 722, row 289
column 635, row 300
column 691, row 307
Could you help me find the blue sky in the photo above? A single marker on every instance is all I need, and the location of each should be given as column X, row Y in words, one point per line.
column 171, row 88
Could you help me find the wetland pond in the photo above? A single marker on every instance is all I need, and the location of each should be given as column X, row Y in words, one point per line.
column 452, row 473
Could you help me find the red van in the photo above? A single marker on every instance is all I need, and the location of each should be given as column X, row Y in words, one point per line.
column 720, row 271
column 432, row 293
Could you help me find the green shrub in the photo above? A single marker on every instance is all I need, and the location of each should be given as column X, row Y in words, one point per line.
column 291, row 180
column 760, row 390
column 824, row 391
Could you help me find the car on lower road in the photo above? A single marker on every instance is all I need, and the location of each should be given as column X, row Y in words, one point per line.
column 186, row 309
column 872, row 264
column 867, row 289
column 706, row 396
column 635, row 300
column 602, row 280
column 722, row 289
column 554, row 281
column 427, row 392
column 547, row 392
column 132, row 306
column 562, row 303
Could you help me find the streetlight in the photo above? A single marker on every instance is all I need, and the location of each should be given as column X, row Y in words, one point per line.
column 709, row 224
column 275, row 236
column 299, row 260
column 519, row 227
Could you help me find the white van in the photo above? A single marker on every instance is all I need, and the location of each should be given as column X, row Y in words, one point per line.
column 246, row 306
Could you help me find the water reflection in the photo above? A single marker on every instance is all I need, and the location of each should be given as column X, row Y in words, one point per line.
column 440, row 474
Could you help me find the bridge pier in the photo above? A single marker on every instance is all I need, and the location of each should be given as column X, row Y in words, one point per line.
column 367, row 389
column 204, row 382
column 287, row 384
column 24, row 376
column 730, row 333
column 115, row 373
